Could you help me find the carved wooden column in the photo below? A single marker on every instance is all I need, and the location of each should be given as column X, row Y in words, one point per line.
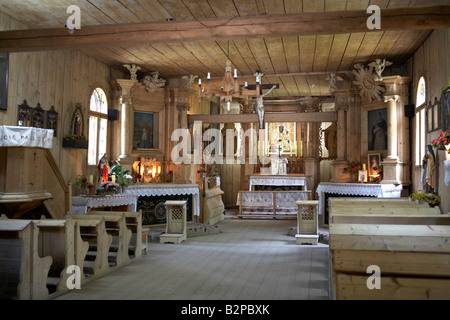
column 126, row 118
column 396, row 166
column 311, row 161
column 247, row 168
column 341, row 106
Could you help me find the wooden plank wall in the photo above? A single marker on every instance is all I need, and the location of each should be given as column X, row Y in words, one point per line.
column 431, row 61
column 60, row 79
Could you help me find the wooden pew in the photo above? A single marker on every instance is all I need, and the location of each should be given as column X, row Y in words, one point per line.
column 93, row 231
column 23, row 273
column 413, row 256
column 57, row 239
column 116, row 227
column 133, row 222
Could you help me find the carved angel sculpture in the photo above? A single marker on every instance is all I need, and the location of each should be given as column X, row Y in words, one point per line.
column 379, row 66
column 332, row 79
column 133, row 69
column 153, row 82
column 190, row 80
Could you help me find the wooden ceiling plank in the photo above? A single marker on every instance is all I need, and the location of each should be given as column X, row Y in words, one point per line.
column 200, row 9
column 385, row 45
column 204, row 57
column 291, row 49
column 155, row 10
column 223, row 8
column 338, row 47
column 293, row 6
column 353, row 45
column 335, row 5
column 259, row 50
column 307, row 45
column 242, row 52
column 368, row 44
column 277, row 54
column 116, row 11
column 173, row 59
column 177, row 9
column 139, row 10
column 246, row 7
column 314, row 6
column 357, row 4
column 322, row 52
column 302, row 85
column 290, row 85
column 274, row 7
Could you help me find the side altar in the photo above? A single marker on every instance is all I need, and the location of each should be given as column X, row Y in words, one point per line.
column 151, row 199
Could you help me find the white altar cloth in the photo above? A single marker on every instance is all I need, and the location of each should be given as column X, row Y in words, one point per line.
column 283, row 180
column 379, row 190
column 14, row 136
column 163, row 189
column 80, row 204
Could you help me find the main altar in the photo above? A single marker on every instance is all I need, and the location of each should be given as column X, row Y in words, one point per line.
column 287, row 182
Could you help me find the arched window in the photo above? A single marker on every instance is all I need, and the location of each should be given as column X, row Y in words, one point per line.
column 98, row 126
column 420, row 142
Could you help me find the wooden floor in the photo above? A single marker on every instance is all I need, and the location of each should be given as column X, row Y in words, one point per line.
column 250, row 260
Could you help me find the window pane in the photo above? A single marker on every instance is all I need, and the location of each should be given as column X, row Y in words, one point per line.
column 98, row 101
column 92, row 151
column 102, row 137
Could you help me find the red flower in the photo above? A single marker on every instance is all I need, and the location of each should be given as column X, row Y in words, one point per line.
column 345, row 169
column 84, row 180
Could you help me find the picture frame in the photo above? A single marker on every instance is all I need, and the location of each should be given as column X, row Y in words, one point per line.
column 377, row 132
column 51, row 120
column 38, row 117
column 145, row 130
column 24, row 115
column 362, row 176
column 433, row 115
column 373, row 160
column 445, row 108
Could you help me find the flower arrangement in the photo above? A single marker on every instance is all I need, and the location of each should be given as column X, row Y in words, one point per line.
column 432, row 198
column 83, row 183
column 110, row 186
column 443, row 140
column 123, row 179
column 352, row 168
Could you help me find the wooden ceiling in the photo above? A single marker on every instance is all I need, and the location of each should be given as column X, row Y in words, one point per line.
column 299, row 63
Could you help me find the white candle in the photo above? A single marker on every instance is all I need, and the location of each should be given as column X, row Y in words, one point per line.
column 199, row 82
column 235, row 73
column 246, row 85
column 209, row 76
column 228, row 105
column 91, row 179
column 114, row 178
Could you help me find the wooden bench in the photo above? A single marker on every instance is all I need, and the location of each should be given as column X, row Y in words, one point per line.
column 57, row 240
column 92, row 230
column 413, row 256
column 23, row 273
column 133, row 221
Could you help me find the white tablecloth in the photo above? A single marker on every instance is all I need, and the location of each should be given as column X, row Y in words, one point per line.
column 358, row 189
column 284, row 180
column 80, row 204
column 13, row 136
column 164, row 189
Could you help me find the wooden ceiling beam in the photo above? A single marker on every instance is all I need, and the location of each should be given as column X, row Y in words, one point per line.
column 314, row 23
column 269, row 117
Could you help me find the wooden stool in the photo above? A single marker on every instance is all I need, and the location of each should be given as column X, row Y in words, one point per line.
column 307, row 229
column 176, row 222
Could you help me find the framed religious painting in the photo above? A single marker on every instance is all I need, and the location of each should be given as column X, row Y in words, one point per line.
column 374, row 162
column 51, row 120
column 25, row 115
column 377, row 129
column 433, row 115
column 445, row 108
column 38, row 117
column 145, row 131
